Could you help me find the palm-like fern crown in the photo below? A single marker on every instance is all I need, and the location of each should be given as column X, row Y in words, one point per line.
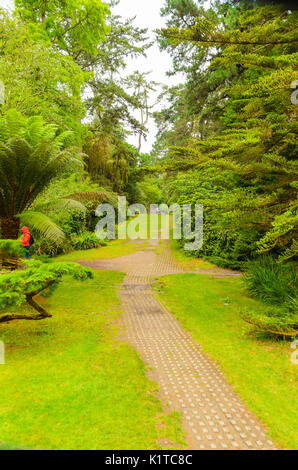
column 31, row 155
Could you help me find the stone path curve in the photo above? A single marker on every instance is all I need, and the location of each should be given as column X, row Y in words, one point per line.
column 213, row 415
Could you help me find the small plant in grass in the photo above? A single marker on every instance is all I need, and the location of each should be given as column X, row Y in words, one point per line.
column 226, row 301
column 22, row 286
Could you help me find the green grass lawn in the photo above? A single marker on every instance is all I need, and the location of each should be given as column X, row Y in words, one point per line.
column 259, row 368
column 187, row 261
column 70, row 383
column 114, row 249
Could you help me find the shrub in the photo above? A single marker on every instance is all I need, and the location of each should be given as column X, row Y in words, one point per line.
column 23, row 285
column 226, row 244
column 149, row 192
column 272, row 281
column 274, row 320
column 86, row 241
column 49, row 248
column 83, row 241
column 276, row 284
column 72, row 221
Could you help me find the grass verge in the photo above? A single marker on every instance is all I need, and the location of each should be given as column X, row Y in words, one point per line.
column 115, row 249
column 258, row 367
column 70, row 383
column 187, row 260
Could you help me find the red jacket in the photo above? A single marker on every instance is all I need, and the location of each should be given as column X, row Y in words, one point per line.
column 26, row 236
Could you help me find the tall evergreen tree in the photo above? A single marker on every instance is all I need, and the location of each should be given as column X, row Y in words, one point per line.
column 255, row 60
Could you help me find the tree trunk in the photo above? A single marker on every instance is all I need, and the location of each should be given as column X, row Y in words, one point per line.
column 42, row 311
column 19, row 316
column 10, row 228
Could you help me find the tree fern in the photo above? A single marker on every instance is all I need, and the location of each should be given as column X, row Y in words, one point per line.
column 12, row 124
column 31, row 156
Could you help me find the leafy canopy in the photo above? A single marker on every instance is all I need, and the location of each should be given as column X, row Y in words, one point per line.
column 38, row 79
column 73, row 26
column 235, row 115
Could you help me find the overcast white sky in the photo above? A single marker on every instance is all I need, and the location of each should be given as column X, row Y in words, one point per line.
column 147, row 16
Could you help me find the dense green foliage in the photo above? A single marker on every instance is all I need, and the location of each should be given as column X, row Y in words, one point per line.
column 38, row 79
column 81, row 241
column 10, row 248
column 276, row 285
column 73, row 27
column 272, row 282
column 277, row 321
column 234, row 123
column 228, row 138
column 11, row 254
column 74, row 211
column 224, row 245
column 53, row 55
column 31, row 156
column 86, row 241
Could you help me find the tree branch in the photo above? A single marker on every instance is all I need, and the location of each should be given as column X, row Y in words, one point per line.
column 43, row 314
column 225, row 41
column 56, row 38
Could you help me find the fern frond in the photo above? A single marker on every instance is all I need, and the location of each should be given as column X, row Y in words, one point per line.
column 62, row 204
column 42, row 224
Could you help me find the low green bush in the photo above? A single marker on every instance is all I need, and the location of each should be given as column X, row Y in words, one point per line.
column 275, row 284
column 46, row 247
column 272, row 281
column 72, row 221
column 277, row 321
column 83, row 241
column 22, row 285
column 86, row 241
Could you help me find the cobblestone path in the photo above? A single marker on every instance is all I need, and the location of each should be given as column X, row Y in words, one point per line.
column 213, row 415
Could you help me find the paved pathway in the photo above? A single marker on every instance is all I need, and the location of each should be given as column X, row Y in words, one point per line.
column 214, row 416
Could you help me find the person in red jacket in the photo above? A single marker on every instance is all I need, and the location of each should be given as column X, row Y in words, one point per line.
column 26, row 240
